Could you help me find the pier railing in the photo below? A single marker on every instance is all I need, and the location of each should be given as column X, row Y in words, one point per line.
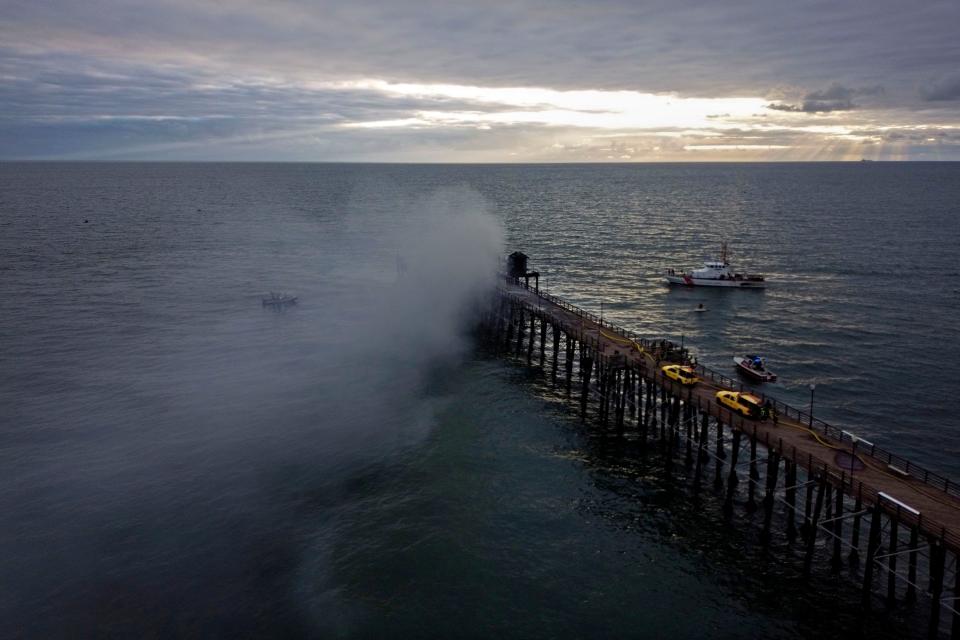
column 817, row 465
column 897, row 464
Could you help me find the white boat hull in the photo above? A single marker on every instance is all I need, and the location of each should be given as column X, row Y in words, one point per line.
column 757, row 375
column 689, row 281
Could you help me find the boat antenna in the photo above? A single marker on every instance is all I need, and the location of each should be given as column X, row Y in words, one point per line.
column 723, row 252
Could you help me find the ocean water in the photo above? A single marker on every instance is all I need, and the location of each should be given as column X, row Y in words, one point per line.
column 176, row 460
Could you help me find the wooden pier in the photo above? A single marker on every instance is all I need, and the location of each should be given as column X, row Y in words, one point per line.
column 893, row 525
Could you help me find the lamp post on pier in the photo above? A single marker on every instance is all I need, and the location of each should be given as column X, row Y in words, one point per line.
column 812, row 388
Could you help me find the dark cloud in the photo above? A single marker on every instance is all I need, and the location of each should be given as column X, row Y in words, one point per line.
column 914, row 134
column 945, row 89
column 220, row 69
column 834, row 98
column 688, row 46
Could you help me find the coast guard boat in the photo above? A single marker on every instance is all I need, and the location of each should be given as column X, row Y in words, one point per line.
column 716, row 273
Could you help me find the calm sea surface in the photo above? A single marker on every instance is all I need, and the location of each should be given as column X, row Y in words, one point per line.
column 176, row 460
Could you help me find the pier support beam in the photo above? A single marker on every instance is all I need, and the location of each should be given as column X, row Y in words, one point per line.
column 663, row 412
column 718, row 469
column 533, row 336
column 620, row 391
column 911, row 596
column 543, row 341
column 790, row 470
column 811, row 539
column 938, row 558
column 521, row 325
column 873, row 543
column 837, row 526
column 672, row 433
column 586, row 369
column 807, row 505
column 648, row 408
column 753, row 476
column 641, row 419
column 892, row 563
column 556, row 353
column 854, row 557
column 955, row 623
column 732, row 480
column 773, row 472
column 701, row 452
column 603, row 376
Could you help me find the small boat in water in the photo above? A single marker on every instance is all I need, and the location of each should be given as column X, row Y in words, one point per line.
column 278, row 300
column 755, row 368
column 716, row 273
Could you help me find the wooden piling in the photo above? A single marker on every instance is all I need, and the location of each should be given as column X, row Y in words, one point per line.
column 807, row 505
column 718, row 468
column 873, row 543
column 641, row 418
column 604, row 393
column 521, row 325
column 543, row 341
column 623, row 399
column 648, row 413
column 732, row 479
column 837, row 526
column 938, row 558
column 790, row 470
column 892, row 563
column 773, row 471
column 753, row 476
column 663, row 413
column 955, row 622
column 672, row 435
column 812, row 537
column 701, row 453
column 911, row 596
column 533, row 336
column 556, row 353
column 586, row 369
column 854, row 557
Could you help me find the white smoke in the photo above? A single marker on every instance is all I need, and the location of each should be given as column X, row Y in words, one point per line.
column 211, row 417
column 451, row 247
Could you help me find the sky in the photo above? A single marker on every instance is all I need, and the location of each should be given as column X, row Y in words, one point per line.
column 481, row 81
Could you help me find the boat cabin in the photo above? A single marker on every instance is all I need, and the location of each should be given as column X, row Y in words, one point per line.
column 713, row 270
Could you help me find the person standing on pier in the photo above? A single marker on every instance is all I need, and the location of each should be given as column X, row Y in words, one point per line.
column 770, row 411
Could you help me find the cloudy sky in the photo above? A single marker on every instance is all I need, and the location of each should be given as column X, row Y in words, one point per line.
column 480, row 81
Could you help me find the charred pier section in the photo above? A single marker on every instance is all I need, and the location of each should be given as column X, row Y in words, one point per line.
column 839, row 502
